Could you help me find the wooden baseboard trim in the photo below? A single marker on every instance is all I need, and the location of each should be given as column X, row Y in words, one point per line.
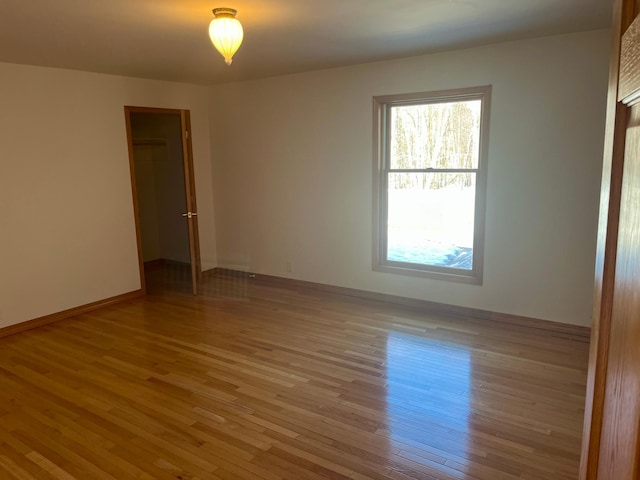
column 72, row 312
column 161, row 262
column 580, row 332
column 153, row 264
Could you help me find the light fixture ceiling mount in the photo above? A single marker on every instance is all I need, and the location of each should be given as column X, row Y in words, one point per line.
column 226, row 33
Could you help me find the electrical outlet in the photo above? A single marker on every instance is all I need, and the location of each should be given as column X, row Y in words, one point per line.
column 289, row 267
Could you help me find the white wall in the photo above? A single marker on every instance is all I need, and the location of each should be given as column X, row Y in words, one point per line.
column 67, row 235
column 293, row 173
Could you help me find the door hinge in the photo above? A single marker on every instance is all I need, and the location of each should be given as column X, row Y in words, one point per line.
column 186, row 132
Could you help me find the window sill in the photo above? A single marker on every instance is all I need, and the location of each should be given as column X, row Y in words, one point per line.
column 435, row 273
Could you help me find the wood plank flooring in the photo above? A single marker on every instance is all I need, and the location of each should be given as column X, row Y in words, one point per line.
column 249, row 381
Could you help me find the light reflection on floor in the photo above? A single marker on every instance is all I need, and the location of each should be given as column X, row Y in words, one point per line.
column 428, row 393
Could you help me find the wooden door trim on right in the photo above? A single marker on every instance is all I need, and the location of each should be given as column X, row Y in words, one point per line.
column 606, row 254
column 189, row 179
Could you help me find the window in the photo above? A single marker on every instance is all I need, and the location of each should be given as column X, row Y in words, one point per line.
column 430, row 155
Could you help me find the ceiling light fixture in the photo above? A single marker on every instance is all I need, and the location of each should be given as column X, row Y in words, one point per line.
column 225, row 31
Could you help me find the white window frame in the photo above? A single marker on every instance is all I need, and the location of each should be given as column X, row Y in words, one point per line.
column 381, row 157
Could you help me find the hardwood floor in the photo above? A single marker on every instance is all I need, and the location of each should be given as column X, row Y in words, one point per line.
column 249, row 381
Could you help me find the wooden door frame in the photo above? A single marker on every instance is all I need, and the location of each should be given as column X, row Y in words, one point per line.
column 190, row 191
column 606, row 252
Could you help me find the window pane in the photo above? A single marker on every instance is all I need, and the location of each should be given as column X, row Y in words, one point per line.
column 431, row 219
column 436, row 135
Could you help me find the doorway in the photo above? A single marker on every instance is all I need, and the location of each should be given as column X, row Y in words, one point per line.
column 161, row 163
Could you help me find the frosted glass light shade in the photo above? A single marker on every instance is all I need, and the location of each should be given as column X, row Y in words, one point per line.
column 225, row 31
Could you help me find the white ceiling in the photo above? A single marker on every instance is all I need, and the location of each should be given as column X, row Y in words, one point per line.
column 167, row 39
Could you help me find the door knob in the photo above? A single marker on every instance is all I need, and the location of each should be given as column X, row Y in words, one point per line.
column 190, row 214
